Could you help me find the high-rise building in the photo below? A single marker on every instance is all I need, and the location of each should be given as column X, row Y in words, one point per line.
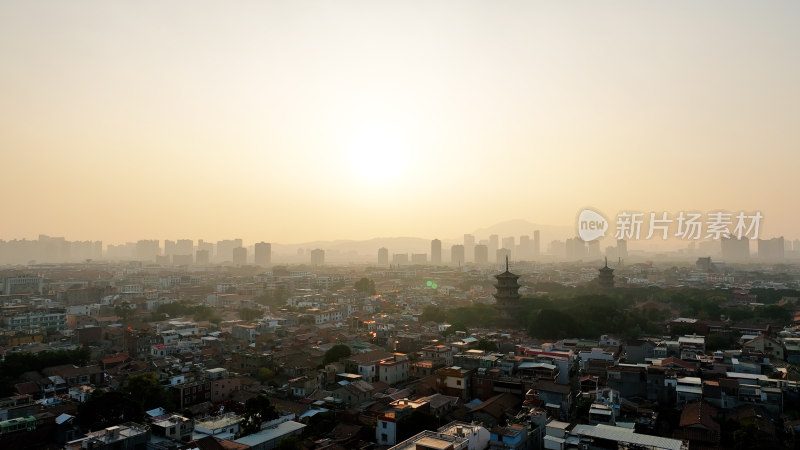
column 239, row 256
column 207, row 246
column 169, row 247
column 771, row 249
column 182, row 260
column 502, row 254
column 494, row 244
column 263, row 254
column 457, row 255
column 184, row 247
column 436, row 252
column 481, row 254
column 202, row 257
column 383, row 256
column 622, row 248
column 735, row 250
column 510, row 244
column 576, row 249
column 400, row 259
column 537, row 245
column 317, row 257
column 469, row 247
column 524, row 248
column 147, row 250
column 419, row 258
column 225, row 249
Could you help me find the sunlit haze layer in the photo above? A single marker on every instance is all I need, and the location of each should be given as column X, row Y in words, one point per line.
column 298, row 121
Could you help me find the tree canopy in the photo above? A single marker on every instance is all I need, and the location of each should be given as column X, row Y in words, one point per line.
column 257, row 410
column 106, row 409
column 365, row 286
column 336, row 353
column 147, row 391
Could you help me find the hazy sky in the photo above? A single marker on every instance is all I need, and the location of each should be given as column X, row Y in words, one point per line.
column 294, row 121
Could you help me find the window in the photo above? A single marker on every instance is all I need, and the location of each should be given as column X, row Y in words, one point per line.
column 383, row 424
column 458, row 382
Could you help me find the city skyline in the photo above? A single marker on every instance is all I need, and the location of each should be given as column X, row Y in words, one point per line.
column 354, row 120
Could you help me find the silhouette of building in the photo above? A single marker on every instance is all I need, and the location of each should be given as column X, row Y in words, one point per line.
column 537, row 245
column 263, row 254
column 524, row 248
column 605, row 276
column 240, row 256
column 733, row 249
column 469, row 247
column 317, row 257
column 202, row 257
column 510, row 244
column 622, row 248
column 575, row 249
column 507, row 295
column 436, row 252
column 457, row 254
column 502, row 254
column 481, row 254
column 494, row 244
column 400, row 259
column 771, row 249
column 419, row 258
column 225, row 249
column 207, row 246
column 383, row 256
column 147, row 250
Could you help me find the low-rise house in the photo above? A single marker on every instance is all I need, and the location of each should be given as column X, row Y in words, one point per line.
column 496, row 410
column 512, row 437
column 394, row 370
column 454, row 381
column 175, row 427
column 354, row 393
column 765, row 345
column 221, row 427
column 269, row 437
column 699, row 425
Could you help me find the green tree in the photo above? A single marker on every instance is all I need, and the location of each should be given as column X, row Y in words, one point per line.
column 550, row 324
column 257, row 410
column 486, row 345
column 202, row 313
column 336, row 353
column 147, row 391
column 320, row 424
column 124, row 310
column 458, row 326
column 432, row 313
column 106, row 409
column 290, row 443
column 15, row 364
column 265, row 374
column 248, row 314
column 365, row 286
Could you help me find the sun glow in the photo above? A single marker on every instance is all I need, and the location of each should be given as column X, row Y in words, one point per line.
column 378, row 156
